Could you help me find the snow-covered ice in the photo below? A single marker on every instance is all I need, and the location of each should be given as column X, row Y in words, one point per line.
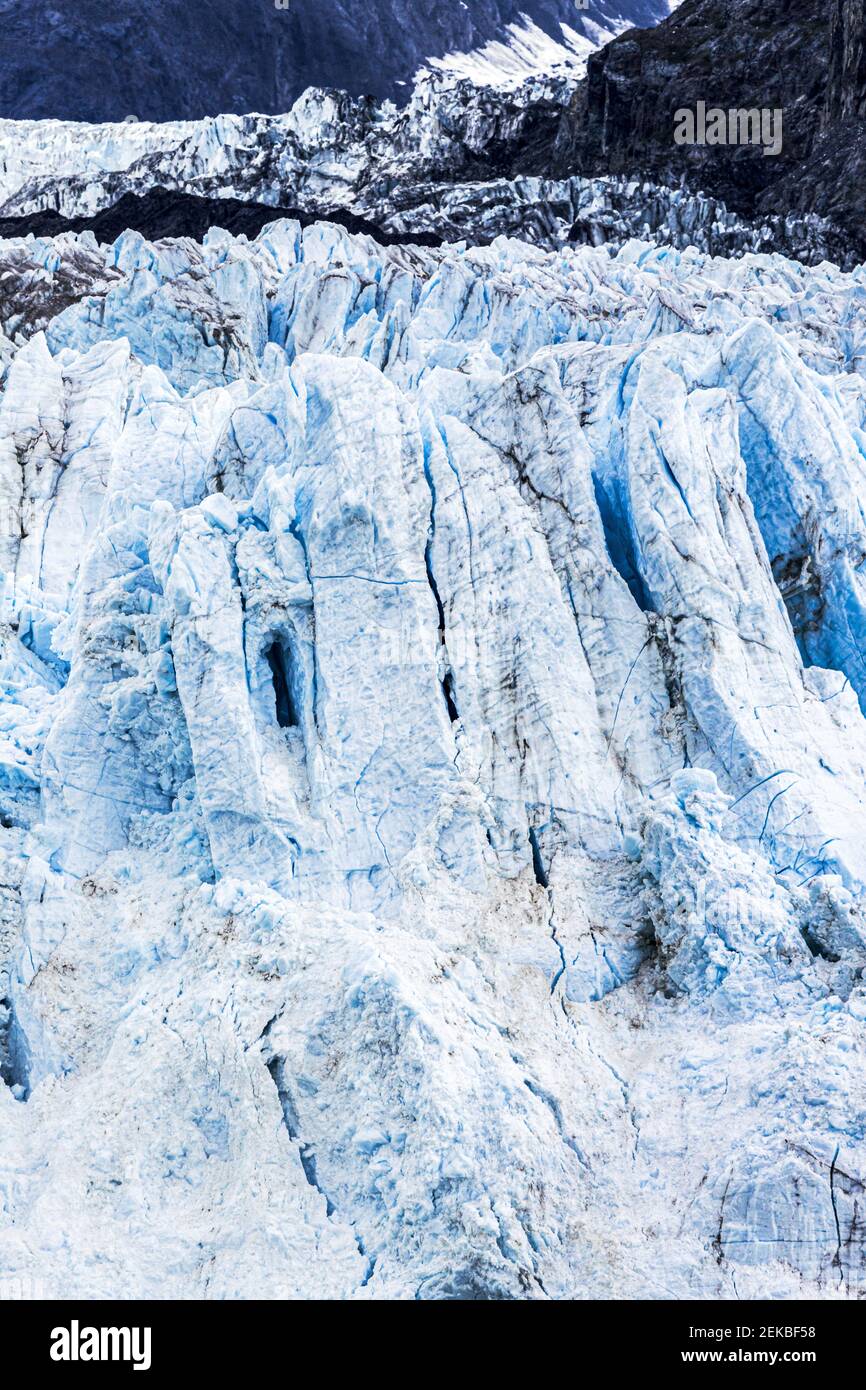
column 431, row 770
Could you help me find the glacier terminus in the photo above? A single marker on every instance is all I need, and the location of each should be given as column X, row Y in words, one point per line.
column 432, row 769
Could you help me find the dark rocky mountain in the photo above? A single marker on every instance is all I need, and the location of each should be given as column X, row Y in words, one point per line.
column 847, row 79
column 178, row 59
column 805, row 57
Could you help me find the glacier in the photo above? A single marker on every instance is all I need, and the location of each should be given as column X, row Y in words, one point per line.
column 432, row 770
column 460, row 161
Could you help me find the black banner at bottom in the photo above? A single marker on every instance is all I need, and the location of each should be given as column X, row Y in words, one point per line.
column 84, row 1339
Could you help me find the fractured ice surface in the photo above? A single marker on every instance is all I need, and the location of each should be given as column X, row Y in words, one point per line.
column 443, row 165
column 432, row 771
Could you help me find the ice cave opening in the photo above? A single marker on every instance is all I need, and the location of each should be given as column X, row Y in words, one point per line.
column 282, row 666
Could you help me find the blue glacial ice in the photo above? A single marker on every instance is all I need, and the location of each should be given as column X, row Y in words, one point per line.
column 432, row 771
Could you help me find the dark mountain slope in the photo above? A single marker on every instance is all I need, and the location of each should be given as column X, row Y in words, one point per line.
column 182, row 59
column 805, row 57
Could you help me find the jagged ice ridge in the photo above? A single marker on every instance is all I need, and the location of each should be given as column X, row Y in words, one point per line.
column 431, row 770
column 459, row 161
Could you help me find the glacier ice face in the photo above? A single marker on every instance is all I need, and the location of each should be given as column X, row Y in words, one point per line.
column 431, row 770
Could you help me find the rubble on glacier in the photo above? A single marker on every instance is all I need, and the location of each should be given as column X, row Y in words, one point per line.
column 432, row 770
column 459, row 161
